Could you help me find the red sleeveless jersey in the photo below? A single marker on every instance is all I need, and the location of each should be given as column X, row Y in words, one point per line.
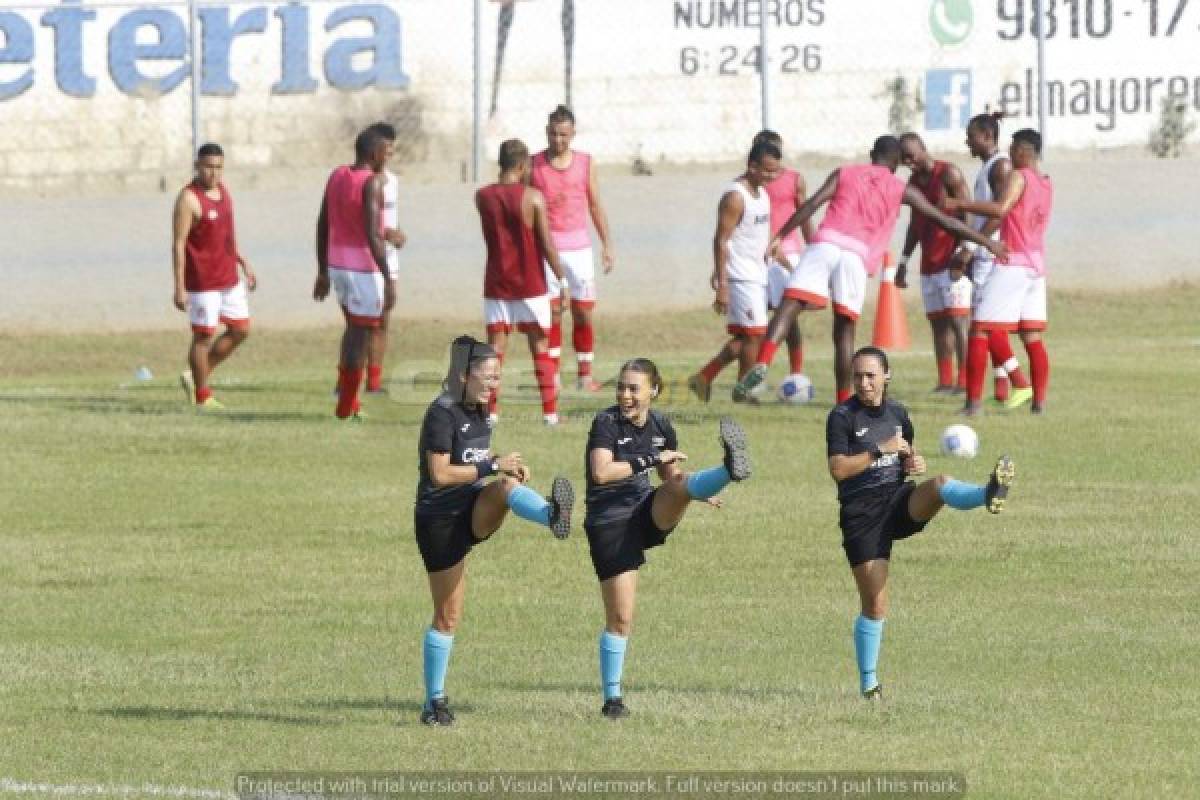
column 937, row 246
column 514, row 258
column 211, row 251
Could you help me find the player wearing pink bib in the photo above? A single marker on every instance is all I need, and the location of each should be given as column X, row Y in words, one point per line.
column 864, row 202
column 352, row 257
column 1015, row 296
column 739, row 275
column 566, row 179
column 205, row 258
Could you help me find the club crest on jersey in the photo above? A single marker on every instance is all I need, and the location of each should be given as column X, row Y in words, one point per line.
column 212, row 213
column 659, row 441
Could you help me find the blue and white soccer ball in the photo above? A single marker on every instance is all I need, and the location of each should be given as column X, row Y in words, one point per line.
column 960, row 441
column 796, row 389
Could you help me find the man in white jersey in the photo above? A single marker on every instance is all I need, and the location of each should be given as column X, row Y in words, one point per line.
column 566, row 178
column 395, row 239
column 739, row 275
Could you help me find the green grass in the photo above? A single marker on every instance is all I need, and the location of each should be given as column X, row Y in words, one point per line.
column 189, row 597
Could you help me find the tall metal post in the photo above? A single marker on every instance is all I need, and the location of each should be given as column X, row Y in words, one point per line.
column 477, row 97
column 194, row 36
column 1041, row 71
column 764, row 71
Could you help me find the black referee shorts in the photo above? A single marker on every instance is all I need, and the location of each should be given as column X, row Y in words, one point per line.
column 620, row 546
column 873, row 519
column 445, row 539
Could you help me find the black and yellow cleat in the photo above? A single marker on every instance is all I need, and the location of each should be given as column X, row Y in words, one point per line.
column 999, row 483
column 562, row 500
column 733, row 441
column 614, row 708
column 874, row 694
column 437, row 713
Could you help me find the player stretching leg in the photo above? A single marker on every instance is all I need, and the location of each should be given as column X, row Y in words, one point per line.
column 566, row 178
column 945, row 289
column 1015, row 296
column 864, row 202
column 518, row 239
column 205, row 261
column 394, row 239
column 870, row 447
column 352, row 257
column 457, row 510
column 739, row 274
column 626, row 517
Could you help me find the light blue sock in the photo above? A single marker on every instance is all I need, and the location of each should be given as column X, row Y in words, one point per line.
column 528, row 504
column 868, row 635
column 963, row 496
column 707, row 482
column 612, row 661
column 436, row 651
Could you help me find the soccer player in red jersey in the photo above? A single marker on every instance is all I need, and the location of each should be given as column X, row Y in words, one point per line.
column 515, row 228
column 566, row 179
column 205, row 258
column 945, row 288
column 1014, row 297
column 352, row 258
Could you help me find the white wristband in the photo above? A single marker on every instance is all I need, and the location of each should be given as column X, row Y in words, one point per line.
column 970, row 246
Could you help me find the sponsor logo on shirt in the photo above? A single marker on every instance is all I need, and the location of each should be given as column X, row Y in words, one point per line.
column 659, row 441
column 861, row 433
column 626, row 440
column 473, row 455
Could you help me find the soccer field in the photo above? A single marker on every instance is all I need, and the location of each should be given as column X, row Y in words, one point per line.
column 189, row 597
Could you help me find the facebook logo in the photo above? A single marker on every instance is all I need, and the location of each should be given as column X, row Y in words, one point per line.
column 947, row 99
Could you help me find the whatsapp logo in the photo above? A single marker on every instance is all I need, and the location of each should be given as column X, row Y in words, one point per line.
column 951, row 21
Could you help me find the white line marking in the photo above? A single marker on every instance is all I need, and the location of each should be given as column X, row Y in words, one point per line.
column 14, row 786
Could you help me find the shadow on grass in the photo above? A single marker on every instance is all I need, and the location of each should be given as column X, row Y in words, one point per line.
column 101, row 404
column 405, row 707
column 187, row 714
column 671, row 688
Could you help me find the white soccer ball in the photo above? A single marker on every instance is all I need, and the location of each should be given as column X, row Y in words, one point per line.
column 797, row 389
column 960, row 441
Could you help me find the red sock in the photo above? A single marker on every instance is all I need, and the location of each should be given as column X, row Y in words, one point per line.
column 977, row 358
column 960, row 379
column 1000, row 382
column 1002, row 354
column 945, row 371
column 202, row 394
column 349, row 379
column 543, row 368
column 766, row 352
column 844, row 394
column 1039, row 367
column 583, row 339
column 795, row 357
column 554, row 345
column 712, row 369
column 374, row 377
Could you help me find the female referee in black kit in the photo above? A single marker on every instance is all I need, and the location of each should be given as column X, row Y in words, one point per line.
column 869, row 443
column 625, row 516
column 456, row 509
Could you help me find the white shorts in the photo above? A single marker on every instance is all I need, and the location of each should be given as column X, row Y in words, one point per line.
column 983, row 266
column 530, row 314
column 944, row 297
column 1014, row 299
column 827, row 270
column 207, row 310
column 360, row 295
column 747, row 312
column 580, row 271
column 777, row 279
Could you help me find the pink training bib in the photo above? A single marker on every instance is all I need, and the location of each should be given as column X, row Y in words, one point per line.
column 1024, row 226
column 863, row 212
column 348, row 245
column 566, row 192
column 782, row 192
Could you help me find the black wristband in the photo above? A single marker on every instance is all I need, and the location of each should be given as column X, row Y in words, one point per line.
column 640, row 463
column 485, row 469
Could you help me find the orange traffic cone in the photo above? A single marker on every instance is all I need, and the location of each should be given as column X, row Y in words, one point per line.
column 891, row 325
